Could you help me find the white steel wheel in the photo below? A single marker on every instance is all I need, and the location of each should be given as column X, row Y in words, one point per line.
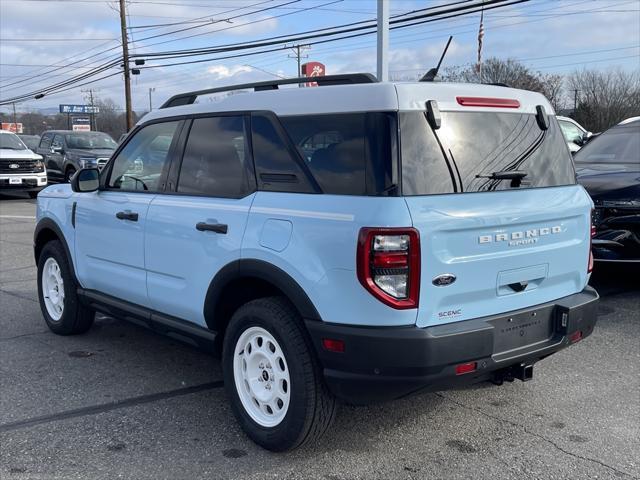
column 53, row 289
column 261, row 377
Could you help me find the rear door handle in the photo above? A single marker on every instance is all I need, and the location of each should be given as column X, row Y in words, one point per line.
column 212, row 227
column 127, row 216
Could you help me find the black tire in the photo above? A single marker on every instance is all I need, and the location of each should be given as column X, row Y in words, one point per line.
column 311, row 407
column 33, row 194
column 76, row 318
column 68, row 174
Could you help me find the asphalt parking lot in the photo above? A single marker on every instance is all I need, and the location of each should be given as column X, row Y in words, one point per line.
column 123, row 402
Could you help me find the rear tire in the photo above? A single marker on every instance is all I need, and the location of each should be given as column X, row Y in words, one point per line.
column 274, row 381
column 57, row 293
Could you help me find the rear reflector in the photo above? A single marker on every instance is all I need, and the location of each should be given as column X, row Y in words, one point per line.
column 333, row 345
column 488, row 102
column 575, row 336
column 466, row 368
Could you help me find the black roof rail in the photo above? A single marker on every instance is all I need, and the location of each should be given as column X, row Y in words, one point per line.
column 189, row 98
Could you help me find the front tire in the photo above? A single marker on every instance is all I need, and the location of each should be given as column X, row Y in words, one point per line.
column 272, row 378
column 70, row 172
column 33, row 194
column 61, row 308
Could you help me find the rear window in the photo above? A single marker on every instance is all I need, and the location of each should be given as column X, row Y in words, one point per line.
column 470, row 147
column 348, row 154
column 618, row 145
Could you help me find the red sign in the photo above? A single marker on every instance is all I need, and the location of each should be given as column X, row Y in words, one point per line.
column 313, row 69
column 12, row 127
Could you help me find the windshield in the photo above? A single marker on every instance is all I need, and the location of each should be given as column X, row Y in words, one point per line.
column 9, row 141
column 618, row 145
column 90, row 141
column 482, row 151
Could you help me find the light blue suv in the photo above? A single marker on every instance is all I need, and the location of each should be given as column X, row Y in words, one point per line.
column 359, row 241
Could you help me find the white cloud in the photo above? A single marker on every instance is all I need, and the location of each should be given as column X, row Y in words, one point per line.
column 222, row 71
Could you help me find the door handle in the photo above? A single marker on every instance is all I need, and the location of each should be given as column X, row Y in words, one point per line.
column 127, row 216
column 212, row 227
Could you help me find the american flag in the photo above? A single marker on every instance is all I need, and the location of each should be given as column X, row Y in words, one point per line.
column 480, row 37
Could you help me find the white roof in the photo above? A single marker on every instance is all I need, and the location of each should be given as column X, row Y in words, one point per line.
column 364, row 97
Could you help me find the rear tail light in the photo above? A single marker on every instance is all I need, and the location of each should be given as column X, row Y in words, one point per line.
column 593, row 234
column 488, row 102
column 389, row 265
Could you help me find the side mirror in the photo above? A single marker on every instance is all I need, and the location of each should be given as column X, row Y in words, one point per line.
column 56, row 150
column 86, row 180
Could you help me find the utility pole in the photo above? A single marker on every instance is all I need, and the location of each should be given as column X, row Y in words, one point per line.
column 93, row 121
column 383, row 40
column 125, row 58
column 298, row 55
column 15, row 118
column 153, row 89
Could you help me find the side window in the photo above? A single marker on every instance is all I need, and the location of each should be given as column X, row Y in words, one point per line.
column 215, row 162
column 570, row 131
column 144, row 159
column 277, row 169
column 58, row 142
column 45, row 142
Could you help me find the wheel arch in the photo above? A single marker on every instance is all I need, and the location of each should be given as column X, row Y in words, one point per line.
column 46, row 231
column 246, row 279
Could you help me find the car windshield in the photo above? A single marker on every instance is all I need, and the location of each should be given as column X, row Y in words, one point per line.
column 90, row 141
column 10, row 141
column 619, row 145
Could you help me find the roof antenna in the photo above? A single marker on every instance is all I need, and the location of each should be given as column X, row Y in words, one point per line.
column 431, row 74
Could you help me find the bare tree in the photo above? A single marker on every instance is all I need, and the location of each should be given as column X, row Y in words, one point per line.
column 514, row 74
column 605, row 97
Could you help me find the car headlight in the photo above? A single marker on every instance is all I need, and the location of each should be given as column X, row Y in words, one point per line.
column 87, row 162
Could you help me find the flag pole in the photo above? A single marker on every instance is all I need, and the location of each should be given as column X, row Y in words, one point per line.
column 480, row 37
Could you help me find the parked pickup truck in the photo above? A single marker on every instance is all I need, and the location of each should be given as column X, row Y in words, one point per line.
column 358, row 241
column 20, row 168
column 65, row 151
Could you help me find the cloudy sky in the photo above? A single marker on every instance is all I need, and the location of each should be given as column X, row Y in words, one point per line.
column 43, row 42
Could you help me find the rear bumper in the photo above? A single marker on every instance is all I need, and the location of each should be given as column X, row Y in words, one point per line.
column 383, row 363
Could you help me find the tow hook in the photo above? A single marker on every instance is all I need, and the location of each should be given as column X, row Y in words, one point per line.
column 522, row 372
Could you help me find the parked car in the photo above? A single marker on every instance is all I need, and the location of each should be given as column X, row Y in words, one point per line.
column 65, row 151
column 576, row 135
column 20, row 168
column 31, row 141
column 351, row 241
column 609, row 168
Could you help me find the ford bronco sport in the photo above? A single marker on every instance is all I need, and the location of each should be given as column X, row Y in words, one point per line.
column 359, row 241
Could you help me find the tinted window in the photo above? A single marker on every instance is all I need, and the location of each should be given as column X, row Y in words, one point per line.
column 45, row 142
column 215, row 161
column 58, row 142
column 348, row 154
column 618, row 145
column 144, row 159
column 276, row 166
column 478, row 144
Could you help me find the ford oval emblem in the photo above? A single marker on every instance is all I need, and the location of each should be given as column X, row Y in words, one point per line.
column 14, row 165
column 444, row 280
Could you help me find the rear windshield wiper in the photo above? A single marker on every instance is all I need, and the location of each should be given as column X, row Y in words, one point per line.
column 515, row 176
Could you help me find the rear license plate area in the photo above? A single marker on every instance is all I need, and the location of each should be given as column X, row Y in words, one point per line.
column 522, row 329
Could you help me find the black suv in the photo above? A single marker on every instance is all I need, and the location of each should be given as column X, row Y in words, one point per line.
column 66, row 151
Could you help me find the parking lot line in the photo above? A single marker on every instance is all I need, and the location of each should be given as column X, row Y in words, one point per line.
column 106, row 407
column 24, row 217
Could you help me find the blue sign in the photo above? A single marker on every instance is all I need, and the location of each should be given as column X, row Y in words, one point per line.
column 78, row 109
